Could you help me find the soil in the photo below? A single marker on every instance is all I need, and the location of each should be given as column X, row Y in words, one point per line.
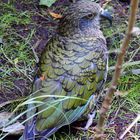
column 45, row 27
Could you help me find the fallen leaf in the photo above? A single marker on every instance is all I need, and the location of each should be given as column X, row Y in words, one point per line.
column 136, row 31
column 16, row 61
column 16, row 128
column 121, row 93
column 47, row 2
column 4, row 118
column 136, row 71
column 42, row 77
column 55, row 15
column 1, row 42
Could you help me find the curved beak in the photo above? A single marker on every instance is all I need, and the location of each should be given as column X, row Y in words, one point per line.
column 107, row 15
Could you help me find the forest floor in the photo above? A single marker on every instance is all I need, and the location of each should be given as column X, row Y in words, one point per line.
column 26, row 27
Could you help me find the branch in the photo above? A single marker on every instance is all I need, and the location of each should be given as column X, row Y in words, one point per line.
column 109, row 96
column 127, row 64
column 130, row 126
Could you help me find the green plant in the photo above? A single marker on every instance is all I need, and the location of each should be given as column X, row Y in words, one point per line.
column 47, row 2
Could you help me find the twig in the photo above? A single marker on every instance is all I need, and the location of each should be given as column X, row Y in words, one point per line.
column 109, row 96
column 10, row 61
column 130, row 126
column 134, row 54
column 125, row 65
column 32, row 47
column 117, row 111
column 12, row 101
column 116, row 51
column 105, row 4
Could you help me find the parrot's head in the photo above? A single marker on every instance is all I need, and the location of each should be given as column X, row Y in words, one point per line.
column 82, row 15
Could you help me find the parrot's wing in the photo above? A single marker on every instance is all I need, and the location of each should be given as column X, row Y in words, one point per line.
column 72, row 75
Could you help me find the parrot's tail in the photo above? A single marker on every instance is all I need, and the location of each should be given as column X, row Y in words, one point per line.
column 30, row 133
column 47, row 133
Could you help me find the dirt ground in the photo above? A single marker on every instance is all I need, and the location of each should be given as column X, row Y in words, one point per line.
column 17, row 76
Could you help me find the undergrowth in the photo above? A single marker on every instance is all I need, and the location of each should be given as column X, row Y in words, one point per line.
column 18, row 62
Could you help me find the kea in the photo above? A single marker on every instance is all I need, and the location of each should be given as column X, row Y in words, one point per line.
column 73, row 70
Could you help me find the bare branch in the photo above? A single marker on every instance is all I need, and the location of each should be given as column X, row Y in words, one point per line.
column 130, row 126
column 109, row 97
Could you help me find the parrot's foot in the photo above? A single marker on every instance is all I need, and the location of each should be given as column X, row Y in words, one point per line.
column 91, row 116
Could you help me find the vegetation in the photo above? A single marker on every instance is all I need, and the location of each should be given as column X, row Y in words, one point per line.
column 25, row 29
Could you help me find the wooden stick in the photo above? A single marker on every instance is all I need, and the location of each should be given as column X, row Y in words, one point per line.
column 109, row 96
column 130, row 126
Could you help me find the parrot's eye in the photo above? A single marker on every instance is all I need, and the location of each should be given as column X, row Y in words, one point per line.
column 91, row 16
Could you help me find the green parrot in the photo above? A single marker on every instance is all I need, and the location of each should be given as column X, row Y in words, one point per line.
column 73, row 68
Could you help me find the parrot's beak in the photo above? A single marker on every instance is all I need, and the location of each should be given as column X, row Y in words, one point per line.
column 107, row 15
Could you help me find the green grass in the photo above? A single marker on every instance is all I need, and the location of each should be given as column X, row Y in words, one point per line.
column 128, row 82
column 16, row 53
column 18, row 61
column 131, row 85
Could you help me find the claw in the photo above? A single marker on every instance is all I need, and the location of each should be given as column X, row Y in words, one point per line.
column 91, row 116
